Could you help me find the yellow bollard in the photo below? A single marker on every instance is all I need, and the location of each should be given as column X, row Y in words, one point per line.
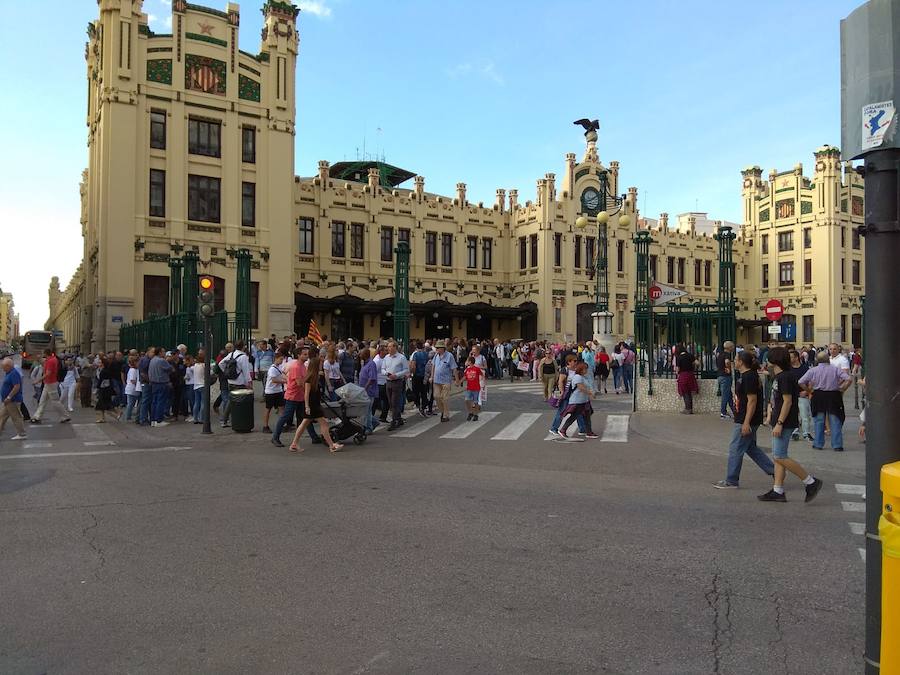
column 889, row 531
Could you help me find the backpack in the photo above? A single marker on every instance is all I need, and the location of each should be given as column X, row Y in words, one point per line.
column 229, row 367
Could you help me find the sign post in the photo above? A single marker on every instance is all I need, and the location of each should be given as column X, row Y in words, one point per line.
column 661, row 294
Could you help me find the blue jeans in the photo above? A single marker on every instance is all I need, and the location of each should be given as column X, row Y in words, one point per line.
column 198, row 412
column 727, row 396
column 290, row 410
column 160, row 393
column 225, row 393
column 837, row 430
column 628, row 376
column 146, row 401
column 134, row 401
column 741, row 445
column 563, row 404
column 617, row 377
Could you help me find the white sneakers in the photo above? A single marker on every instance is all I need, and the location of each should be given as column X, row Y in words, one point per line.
column 19, row 437
column 159, row 424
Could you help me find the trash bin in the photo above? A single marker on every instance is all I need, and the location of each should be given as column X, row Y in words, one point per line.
column 242, row 410
column 889, row 531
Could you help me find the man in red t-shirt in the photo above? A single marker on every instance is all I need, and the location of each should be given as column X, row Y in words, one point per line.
column 474, row 377
column 50, row 394
column 294, row 397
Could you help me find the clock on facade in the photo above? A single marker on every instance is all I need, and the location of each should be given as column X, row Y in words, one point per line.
column 590, row 201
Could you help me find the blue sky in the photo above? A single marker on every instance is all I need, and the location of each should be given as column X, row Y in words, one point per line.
column 687, row 94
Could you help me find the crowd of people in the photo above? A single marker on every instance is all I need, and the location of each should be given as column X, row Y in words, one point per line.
column 158, row 387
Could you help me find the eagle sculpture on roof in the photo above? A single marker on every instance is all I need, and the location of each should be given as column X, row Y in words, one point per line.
column 590, row 128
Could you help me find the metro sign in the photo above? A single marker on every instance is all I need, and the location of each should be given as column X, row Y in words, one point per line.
column 660, row 294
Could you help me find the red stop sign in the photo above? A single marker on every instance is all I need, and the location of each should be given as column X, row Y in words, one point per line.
column 774, row 310
column 655, row 292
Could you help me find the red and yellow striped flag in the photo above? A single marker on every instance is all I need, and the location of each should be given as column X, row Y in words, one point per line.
column 314, row 335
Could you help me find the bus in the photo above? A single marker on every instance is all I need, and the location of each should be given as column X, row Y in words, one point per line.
column 34, row 344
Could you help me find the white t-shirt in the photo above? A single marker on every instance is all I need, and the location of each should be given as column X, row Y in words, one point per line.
column 274, row 387
column 132, row 382
column 243, row 367
column 841, row 362
column 197, row 369
column 332, row 369
column 189, row 376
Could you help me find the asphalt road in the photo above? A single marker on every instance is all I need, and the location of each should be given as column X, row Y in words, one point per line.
column 132, row 550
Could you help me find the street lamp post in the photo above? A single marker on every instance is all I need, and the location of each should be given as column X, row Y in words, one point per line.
column 603, row 333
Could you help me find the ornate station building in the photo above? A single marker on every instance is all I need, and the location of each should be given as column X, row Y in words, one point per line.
column 191, row 149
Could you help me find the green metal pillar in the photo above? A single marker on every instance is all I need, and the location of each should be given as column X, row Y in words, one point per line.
column 401, row 296
column 175, row 265
column 643, row 310
column 727, row 322
column 189, row 290
column 242, row 299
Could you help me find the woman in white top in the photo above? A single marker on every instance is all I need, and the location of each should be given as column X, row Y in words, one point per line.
column 197, row 376
column 132, row 388
column 37, row 378
column 68, row 385
column 332, row 369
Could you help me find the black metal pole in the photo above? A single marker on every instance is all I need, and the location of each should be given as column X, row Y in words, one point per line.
column 207, row 371
column 882, row 326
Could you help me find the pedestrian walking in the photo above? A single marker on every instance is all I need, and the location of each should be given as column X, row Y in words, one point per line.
column 578, row 407
column 368, row 380
column 800, row 368
column 563, row 384
column 549, row 373
column 273, row 391
column 198, row 409
column 132, row 390
column 444, row 373
column 11, row 396
column 396, row 371
column 159, row 373
column 602, row 368
column 747, row 418
column 313, row 386
column 294, row 397
column 724, row 367
column 687, row 380
column 68, row 386
column 106, row 390
column 474, row 379
column 50, row 392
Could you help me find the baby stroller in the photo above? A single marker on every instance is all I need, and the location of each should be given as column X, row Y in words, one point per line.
column 347, row 415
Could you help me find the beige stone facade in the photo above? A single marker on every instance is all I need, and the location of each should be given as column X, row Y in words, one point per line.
column 804, row 245
column 191, row 147
column 9, row 320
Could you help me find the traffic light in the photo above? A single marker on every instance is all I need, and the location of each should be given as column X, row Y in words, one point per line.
column 205, row 306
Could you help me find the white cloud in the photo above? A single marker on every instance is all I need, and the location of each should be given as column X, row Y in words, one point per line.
column 316, row 8
column 486, row 69
column 156, row 23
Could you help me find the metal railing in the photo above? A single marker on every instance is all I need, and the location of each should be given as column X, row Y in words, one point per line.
column 184, row 328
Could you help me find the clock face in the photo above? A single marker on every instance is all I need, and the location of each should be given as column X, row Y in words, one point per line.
column 590, row 201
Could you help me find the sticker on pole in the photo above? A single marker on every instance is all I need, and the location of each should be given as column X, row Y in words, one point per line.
column 876, row 120
column 660, row 294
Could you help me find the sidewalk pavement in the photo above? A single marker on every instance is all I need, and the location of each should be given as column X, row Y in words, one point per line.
column 710, row 435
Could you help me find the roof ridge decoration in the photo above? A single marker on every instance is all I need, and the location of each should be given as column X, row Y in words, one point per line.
column 286, row 10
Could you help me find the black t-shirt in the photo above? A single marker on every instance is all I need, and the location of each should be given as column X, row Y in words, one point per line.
column 685, row 362
column 785, row 384
column 748, row 383
column 720, row 364
column 115, row 370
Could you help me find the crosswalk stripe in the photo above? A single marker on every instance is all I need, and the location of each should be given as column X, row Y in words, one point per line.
column 857, row 528
column 90, row 443
column 37, row 444
column 616, row 430
column 83, row 453
column 416, row 429
column 862, row 553
column 845, row 489
column 854, row 506
column 514, row 430
column 89, row 432
column 467, row 429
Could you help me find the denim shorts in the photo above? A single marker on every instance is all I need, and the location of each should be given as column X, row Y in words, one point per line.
column 473, row 396
column 780, row 443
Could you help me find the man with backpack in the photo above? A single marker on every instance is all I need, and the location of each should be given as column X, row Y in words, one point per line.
column 235, row 368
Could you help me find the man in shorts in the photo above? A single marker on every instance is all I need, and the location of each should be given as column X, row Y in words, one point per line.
column 444, row 373
column 474, row 377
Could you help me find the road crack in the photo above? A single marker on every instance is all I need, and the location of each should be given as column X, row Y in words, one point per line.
column 89, row 533
column 777, row 645
column 718, row 599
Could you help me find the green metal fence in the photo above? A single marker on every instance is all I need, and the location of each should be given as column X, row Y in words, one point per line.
column 184, row 328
